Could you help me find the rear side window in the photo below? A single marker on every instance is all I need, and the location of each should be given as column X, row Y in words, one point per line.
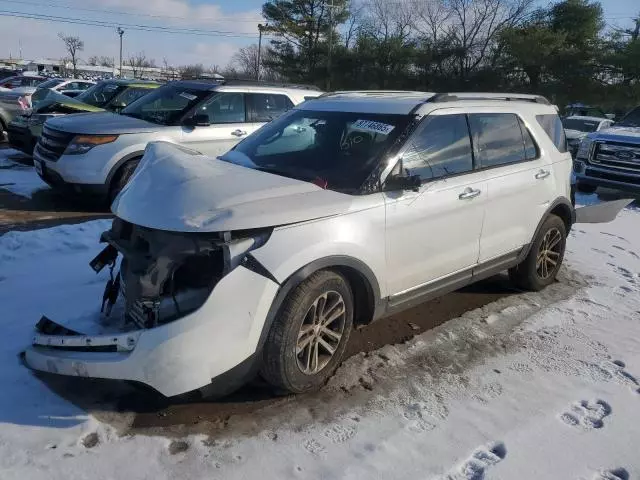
column 552, row 124
column 264, row 107
column 441, row 147
column 498, row 138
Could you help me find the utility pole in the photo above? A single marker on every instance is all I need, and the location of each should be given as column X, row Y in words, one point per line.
column 260, row 29
column 120, row 32
column 330, row 6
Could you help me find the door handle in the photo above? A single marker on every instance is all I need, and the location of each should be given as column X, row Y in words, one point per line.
column 469, row 193
column 238, row 133
column 542, row 174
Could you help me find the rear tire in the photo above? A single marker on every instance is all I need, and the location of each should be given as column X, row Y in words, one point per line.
column 586, row 188
column 122, row 178
column 539, row 269
column 308, row 337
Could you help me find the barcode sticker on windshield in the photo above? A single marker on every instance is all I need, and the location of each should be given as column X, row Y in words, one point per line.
column 188, row 96
column 371, row 126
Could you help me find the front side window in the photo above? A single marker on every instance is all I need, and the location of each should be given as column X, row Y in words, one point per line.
column 552, row 125
column 264, row 107
column 498, row 139
column 165, row 105
column 335, row 150
column 224, row 107
column 440, row 147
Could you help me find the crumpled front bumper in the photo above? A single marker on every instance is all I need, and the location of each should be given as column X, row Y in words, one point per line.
column 174, row 358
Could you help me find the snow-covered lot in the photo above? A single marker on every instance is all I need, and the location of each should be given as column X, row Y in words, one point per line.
column 534, row 386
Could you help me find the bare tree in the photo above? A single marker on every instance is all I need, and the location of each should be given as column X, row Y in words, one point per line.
column 138, row 63
column 353, row 23
column 170, row 72
column 431, row 18
column 474, row 25
column 245, row 61
column 73, row 46
column 101, row 61
column 191, row 71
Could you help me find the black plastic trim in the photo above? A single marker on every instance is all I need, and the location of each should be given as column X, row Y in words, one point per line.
column 335, row 261
column 251, row 263
column 453, row 282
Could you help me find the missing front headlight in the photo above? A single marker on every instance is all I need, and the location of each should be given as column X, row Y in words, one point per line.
column 166, row 275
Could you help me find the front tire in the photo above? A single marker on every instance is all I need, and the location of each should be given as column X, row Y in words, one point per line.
column 308, row 338
column 122, row 178
column 540, row 267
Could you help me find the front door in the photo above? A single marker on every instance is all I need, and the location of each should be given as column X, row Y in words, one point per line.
column 434, row 233
column 228, row 125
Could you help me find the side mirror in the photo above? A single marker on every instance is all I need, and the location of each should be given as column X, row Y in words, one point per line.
column 198, row 120
column 403, row 182
column 610, row 116
column 118, row 106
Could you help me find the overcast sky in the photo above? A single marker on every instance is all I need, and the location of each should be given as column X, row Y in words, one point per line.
column 38, row 38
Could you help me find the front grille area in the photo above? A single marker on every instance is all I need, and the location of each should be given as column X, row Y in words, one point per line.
column 614, row 177
column 623, row 156
column 53, row 143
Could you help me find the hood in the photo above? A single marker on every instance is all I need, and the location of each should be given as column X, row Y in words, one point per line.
column 55, row 102
column 105, row 123
column 177, row 189
column 618, row 134
column 574, row 134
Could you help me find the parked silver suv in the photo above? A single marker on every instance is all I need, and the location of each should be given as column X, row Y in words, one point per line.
column 96, row 153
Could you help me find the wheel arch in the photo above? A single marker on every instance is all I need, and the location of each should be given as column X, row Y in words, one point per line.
column 561, row 207
column 361, row 279
column 113, row 173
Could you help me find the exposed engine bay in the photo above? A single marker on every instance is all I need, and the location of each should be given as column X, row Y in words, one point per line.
column 165, row 275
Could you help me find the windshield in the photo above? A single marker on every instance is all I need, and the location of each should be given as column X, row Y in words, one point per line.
column 165, row 105
column 51, row 83
column 335, row 150
column 580, row 125
column 101, row 94
column 631, row 119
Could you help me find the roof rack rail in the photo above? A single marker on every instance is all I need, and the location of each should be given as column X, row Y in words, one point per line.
column 241, row 81
column 375, row 92
column 454, row 97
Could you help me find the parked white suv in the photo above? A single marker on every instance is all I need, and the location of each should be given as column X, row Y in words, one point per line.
column 96, row 153
column 346, row 209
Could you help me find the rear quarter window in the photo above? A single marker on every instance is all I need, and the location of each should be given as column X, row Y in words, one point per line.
column 554, row 129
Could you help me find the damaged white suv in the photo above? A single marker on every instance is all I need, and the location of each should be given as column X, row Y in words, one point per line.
column 348, row 208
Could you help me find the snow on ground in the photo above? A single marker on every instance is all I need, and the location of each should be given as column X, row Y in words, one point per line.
column 534, row 386
column 16, row 177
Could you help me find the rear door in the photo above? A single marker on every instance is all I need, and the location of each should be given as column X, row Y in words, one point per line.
column 520, row 181
column 434, row 233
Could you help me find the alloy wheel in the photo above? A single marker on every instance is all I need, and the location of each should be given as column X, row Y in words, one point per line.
column 549, row 254
column 321, row 332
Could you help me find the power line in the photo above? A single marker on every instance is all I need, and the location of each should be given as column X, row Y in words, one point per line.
column 139, row 27
column 217, row 19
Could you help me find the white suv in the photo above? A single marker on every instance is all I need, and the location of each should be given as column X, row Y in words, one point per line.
column 348, row 208
column 96, row 153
